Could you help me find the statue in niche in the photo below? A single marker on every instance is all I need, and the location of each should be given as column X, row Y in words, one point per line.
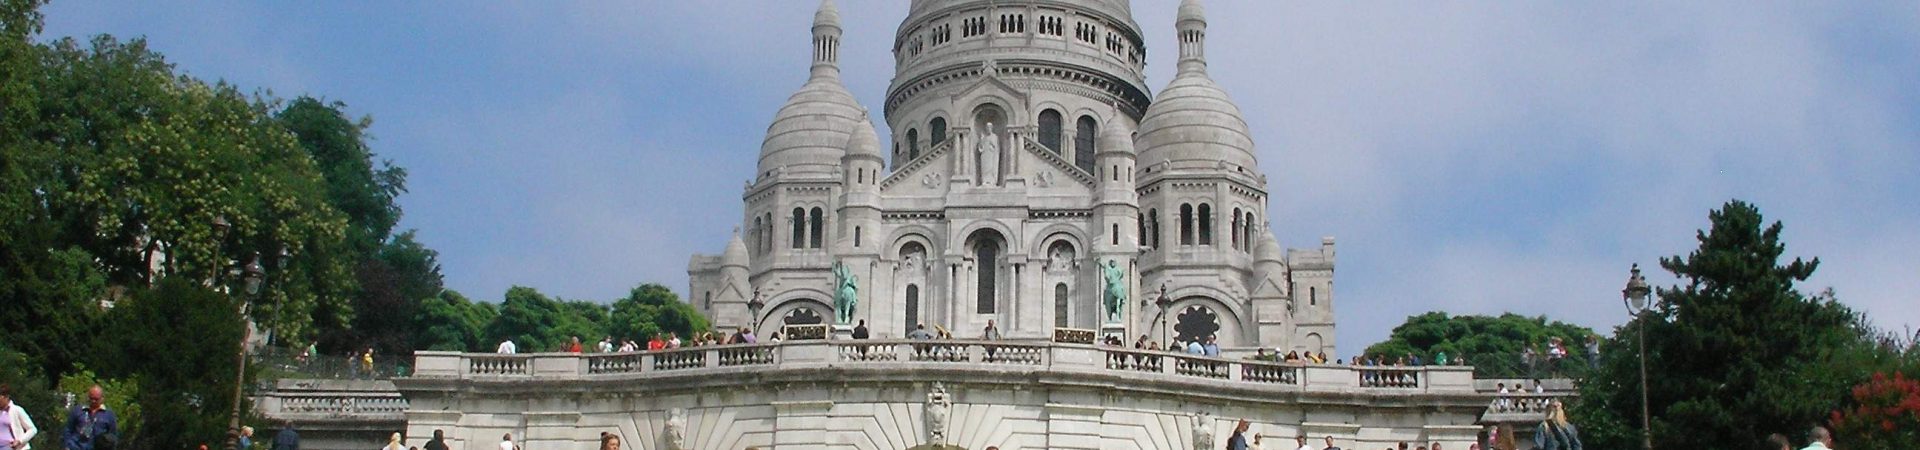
column 846, row 293
column 1060, row 259
column 1045, row 179
column 989, row 157
column 673, row 436
column 1203, row 432
column 1116, row 291
column 937, row 405
column 912, row 260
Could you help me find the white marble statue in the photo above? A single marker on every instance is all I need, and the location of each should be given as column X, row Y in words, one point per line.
column 989, row 157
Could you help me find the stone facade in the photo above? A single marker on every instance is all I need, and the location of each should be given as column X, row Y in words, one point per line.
column 896, row 394
column 1026, row 155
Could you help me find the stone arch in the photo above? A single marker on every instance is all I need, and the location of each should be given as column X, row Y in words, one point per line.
column 959, row 244
column 786, row 302
column 989, row 110
column 1055, row 232
column 1233, row 325
column 1313, row 342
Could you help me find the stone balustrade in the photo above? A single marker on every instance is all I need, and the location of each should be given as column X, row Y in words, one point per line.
column 1003, row 356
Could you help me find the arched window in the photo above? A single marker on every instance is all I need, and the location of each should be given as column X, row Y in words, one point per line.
column 1206, row 224
column 1186, row 224
column 986, row 252
column 1114, row 236
column 1050, row 130
column 913, row 144
column 817, row 226
column 768, row 236
column 1141, row 238
column 1060, row 306
column 1313, row 295
column 856, row 236
column 759, row 228
column 1153, row 227
column 1083, row 133
column 938, row 130
column 708, row 302
column 1236, row 231
column 799, row 228
column 913, row 306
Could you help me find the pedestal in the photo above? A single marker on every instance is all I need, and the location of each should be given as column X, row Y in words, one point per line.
column 843, row 331
column 1116, row 330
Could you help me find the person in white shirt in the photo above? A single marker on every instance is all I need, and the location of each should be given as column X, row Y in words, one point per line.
column 606, row 345
column 506, row 442
column 16, row 428
column 1302, row 440
column 506, row 348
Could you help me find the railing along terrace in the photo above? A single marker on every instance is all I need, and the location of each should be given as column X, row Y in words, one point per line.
column 999, row 355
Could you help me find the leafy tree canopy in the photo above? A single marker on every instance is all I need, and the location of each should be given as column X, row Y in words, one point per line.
column 1492, row 344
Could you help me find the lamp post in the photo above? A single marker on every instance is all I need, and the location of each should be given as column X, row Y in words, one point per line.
column 1166, row 325
column 754, row 306
column 1635, row 298
column 252, row 275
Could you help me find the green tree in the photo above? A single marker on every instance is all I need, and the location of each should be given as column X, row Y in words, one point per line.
column 450, row 322
column 650, row 309
column 185, row 379
column 1492, row 344
column 353, row 184
column 537, row 323
column 1735, row 351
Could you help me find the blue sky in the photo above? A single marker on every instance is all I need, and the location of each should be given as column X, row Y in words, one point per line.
column 1471, row 157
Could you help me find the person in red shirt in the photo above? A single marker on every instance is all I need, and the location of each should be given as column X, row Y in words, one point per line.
column 574, row 346
column 656, row 344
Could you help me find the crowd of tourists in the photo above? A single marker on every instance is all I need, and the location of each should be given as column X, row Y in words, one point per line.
column 659, row 342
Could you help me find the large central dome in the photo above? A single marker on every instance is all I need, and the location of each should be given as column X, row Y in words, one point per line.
column 1093, row 43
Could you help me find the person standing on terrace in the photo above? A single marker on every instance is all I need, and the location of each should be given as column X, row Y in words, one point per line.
column 860, row 331
column 991, row 333
column 506, row 348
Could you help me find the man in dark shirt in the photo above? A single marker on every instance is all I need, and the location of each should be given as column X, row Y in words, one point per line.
column 1239, row 439
column 860, row 331
column 91, row 426
column 287, row 439
column 439, row 441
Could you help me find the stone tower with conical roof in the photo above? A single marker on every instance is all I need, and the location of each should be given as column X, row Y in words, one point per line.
column 1027, row 156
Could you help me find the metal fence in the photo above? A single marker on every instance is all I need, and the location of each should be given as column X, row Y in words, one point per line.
column 276, row 363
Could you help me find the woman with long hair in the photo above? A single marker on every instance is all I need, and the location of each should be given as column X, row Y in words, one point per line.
column 1503, row 438
column 609, row 441
column 1556, row 433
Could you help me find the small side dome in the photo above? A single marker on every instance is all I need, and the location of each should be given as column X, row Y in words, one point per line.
column 1191, row 10
column 1268, row 250
column 1115, row 137
column 864, row 141
column 736, row 253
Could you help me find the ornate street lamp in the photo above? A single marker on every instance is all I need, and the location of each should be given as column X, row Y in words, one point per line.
column 753, row 307
column 1635, row 297
column 252, row 275
column 1166, row 323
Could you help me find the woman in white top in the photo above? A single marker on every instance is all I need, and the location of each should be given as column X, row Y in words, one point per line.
column 393, row 443
column 18, row 429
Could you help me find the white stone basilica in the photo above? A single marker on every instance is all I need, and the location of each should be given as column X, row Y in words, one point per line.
column 1027, row 156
